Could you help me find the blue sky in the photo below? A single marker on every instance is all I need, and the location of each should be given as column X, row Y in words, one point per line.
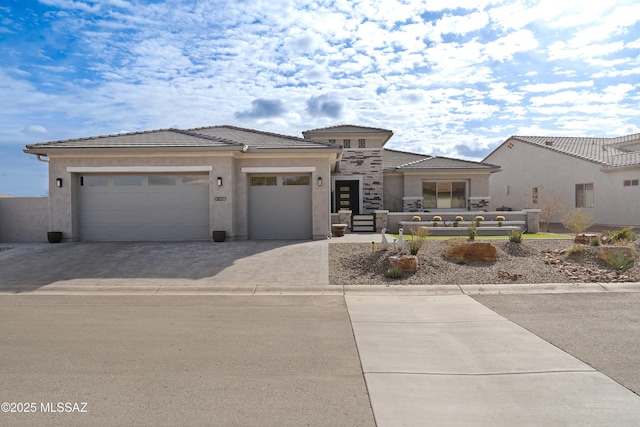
column 449, row 77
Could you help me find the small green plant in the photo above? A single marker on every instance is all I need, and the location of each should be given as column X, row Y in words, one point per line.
column 595, row 241
column 516, row 235
column 456, row 241
column 456, row 223
column 625, row 234
column 471, row 232
column 500, row 218
column 460, row 260
column 575, row 249
column 393, row 273
column 618, row 261
column 434, row 224
column 478, row 219
column 417, row 239
column 459, row 218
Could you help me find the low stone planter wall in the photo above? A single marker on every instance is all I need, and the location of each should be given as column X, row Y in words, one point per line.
column 460, row 230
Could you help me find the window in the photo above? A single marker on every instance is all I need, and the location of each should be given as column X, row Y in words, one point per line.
column 346, row 143
column 332, row 141
column 295, row 180
column 534, row 195
column 162, row 180
column 127, row 180
column 630, row 182
column 94, row 180
column 195, row 180
column 263, row 180
column 444, row 194
column 584, row 195
column 361, row 143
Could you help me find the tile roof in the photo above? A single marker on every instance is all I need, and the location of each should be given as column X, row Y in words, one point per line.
column 439, row 162
column 216, row 137
column 260, row 139
column 339, row 129
column 609, row 152
column 392, row 159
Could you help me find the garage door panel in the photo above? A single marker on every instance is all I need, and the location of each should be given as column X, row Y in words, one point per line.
column 279, row 211
column 144, row 211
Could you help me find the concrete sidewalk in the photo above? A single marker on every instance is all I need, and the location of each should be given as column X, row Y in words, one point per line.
column 448, row 360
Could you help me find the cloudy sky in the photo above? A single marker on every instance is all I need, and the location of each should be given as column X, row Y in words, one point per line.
column 449, row 77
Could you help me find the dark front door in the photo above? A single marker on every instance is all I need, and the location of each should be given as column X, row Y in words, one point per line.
column 347, row 196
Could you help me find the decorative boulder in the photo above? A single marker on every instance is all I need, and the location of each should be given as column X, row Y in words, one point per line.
column 473, row 252
column 405, row 262
column 607, row 252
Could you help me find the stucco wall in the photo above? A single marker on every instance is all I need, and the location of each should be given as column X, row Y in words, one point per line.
column 24, row 219
column 228, row 213
column 525, row 166
column 393, row 192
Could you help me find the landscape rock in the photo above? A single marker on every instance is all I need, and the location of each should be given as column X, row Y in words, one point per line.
column 405, row 262
column 485, row 252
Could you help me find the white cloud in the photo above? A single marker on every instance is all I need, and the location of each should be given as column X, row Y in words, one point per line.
column 554, row 87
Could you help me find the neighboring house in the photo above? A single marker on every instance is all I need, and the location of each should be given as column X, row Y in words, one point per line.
column 182, row 184
column 600, row 175
column 371, row 177
column 172, row 184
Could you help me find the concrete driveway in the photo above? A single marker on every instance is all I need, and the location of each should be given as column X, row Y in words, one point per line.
column 242, row 265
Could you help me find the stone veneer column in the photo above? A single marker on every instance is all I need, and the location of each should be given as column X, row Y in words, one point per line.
column 345, row 217
column 412, row 204
column 382, row 219
column 533, row 220
column 367, row 164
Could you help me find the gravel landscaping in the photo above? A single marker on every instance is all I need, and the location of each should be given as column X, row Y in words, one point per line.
column 533, row 261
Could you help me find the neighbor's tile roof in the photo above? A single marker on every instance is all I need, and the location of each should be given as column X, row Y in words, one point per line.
column 340, row 129
column 220, row 137
column 609, row 152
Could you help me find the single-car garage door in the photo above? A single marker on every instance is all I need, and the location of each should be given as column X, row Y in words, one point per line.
column 280, row 206
column 140, row 207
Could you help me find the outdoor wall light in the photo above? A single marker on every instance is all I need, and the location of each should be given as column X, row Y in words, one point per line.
column 319, row 181
column 219, row 181
column 58, row 182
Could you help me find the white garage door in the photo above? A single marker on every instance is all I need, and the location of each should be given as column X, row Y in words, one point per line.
column 280, row 206
column 143, row 207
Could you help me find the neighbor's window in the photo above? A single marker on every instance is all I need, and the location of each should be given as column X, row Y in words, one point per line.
column 346, row 143
column 162, row 180
column 444, row 194
column 630, row 182
column 127, row 180
column 361, row 143
column 584, row 195
column 332, row 141
column 94, row 180
column 534, row 195
column 263, row 180
column 295, row 180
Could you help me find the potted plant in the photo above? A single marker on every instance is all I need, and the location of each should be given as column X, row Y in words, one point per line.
column 54, row 236
column 219, row 235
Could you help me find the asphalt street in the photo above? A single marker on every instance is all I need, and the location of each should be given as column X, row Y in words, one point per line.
column 601, row 329
column 176, row 360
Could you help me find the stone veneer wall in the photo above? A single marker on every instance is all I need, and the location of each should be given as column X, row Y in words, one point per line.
column 368, row 164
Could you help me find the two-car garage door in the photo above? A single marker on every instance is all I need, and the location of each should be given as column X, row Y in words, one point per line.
column 142, row 207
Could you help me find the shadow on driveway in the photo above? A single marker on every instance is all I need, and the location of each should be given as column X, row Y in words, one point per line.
column 282, row 262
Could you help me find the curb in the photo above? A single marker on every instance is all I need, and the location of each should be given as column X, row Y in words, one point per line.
column 320, row 290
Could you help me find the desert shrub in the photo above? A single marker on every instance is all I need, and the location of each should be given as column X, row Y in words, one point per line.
column 618, row 261
column 575, row 249
column 461, row 260
column 393, row 273
column 515, row 236
column 417, row 239
column 625, row 234
column 437, row 218
column 417, row 218
column 456, row 241
column 471, row 232
column 595, row 241
column 577, row 220
column 500, row 218
column 459, row 218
